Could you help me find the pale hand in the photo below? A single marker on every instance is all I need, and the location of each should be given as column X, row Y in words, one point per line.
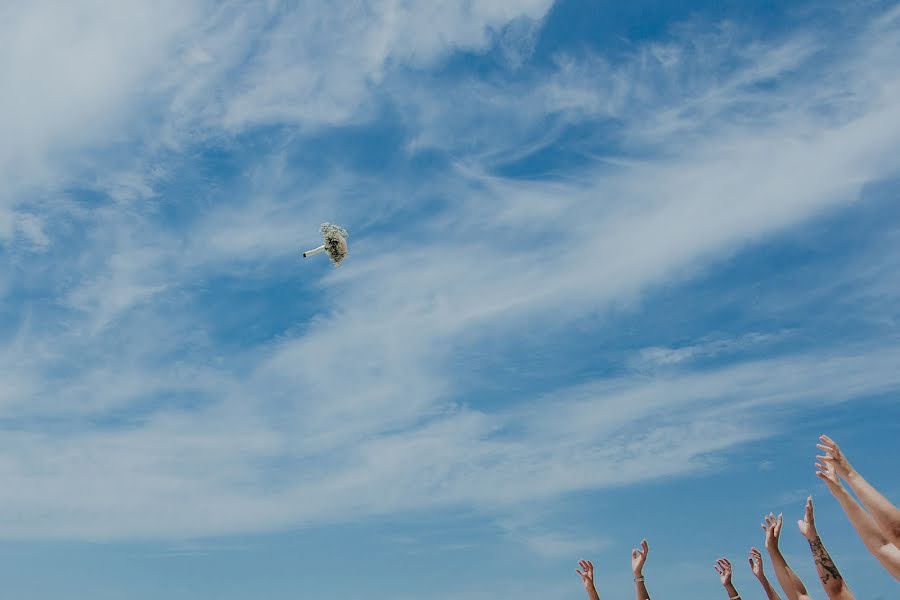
column 587, row 574
column 807, row 525
column 772, row 526
column 826, row 472
column 639, row 557
column 723, row 568
column 834, row 456
column 756, row 563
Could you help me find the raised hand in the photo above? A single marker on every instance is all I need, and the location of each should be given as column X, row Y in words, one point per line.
column 826, row 472
column 772, row 526
column 756, row 563
column 807, row 524
column 833, row 456
column 638, row 558
column 723, row 568
column 587, row 574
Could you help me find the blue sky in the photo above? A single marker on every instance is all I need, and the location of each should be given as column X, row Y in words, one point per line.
column 613, row 270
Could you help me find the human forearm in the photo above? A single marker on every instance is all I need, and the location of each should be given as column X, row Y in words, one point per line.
column 885, row 514
column 640, row 589
column 732, row 592
column 592, row 593
column 790, row 583
column 834, row 585
column 771, row 593
column 864, row 524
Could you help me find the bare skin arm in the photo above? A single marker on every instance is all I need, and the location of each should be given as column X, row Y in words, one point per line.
column 723, row 568
column 878, row 544
column 587, row 578
column 638, row 558
column 885, row 514
column 835, row 586
column 790, row 583
column 756, row 565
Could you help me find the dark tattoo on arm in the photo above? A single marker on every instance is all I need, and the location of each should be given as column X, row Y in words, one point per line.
column 828, row 569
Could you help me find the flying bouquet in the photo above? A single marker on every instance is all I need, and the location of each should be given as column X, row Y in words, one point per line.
column 335, row 243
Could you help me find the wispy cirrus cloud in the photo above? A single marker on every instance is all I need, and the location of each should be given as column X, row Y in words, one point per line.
column 128, row 418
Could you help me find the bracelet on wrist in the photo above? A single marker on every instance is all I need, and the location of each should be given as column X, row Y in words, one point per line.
column 639, row 578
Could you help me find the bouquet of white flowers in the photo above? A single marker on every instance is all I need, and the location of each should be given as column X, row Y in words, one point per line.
column 335, row 243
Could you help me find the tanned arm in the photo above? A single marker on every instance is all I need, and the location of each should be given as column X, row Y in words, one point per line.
column 835, row 586
column 877, row 543
column 638, row 558
column 756, row 565
column 587, row 578
column 790, row 583
column 885, row 514
column 723, row 568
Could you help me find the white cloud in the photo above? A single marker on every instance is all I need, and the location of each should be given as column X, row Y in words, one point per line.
column 357, row 412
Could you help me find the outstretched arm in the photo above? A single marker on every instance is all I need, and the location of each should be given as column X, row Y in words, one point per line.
column 756, row 565
column 723, row 568
column 835, row 586
column 790, row 583
column 638, row 558
column 885, row 514
column 587, row 578
column 878, row 544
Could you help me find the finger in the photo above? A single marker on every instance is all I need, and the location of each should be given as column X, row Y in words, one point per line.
column 590, row 566
column 645, row 546
column 827, row 440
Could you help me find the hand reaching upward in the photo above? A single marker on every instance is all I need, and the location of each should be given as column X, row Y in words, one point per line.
column 772, row 526
column 638, row 558
column 756, row 563
column 834, row 456
column 789, row 581
column 807, row 524
column 825, row 471
column 723, row 568
column 587, row 574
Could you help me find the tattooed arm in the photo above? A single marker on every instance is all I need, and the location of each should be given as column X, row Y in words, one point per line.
column 835, row 586
column 877, row 543
column 885, row 514
column 790, row 583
